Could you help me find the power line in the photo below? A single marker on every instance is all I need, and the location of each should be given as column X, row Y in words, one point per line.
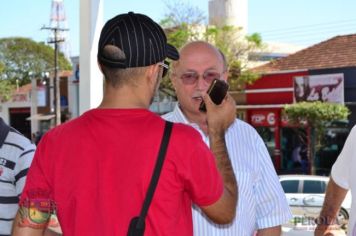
column 326, row 26
column 311, row 33
column 304, row 40
column 339, row 31
column 309, row 26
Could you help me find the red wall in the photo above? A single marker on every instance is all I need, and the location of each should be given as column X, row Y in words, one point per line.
column 273, row 81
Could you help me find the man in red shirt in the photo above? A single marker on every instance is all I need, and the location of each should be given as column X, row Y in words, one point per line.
column 94, row 171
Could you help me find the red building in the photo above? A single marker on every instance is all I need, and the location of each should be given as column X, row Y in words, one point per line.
column 266, row 98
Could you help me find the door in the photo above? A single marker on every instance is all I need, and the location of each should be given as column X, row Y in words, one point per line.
column 291, row 189
column 313, row 193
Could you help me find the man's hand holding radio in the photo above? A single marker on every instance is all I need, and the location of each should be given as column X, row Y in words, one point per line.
column 220, row 117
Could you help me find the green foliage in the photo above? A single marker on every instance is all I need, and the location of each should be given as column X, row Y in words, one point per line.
column 5, row 90
column 2, row 67
column 247, row 77
column 317, row 115
column 178, row 36
column 235, row 46
column 22, row 57
column 166, row 84
column 256, row 39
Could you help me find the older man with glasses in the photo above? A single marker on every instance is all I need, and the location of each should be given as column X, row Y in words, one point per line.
column 262, row 205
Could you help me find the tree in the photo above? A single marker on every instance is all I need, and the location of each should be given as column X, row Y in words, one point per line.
column 22, row 57
column 5, row 90
column 5, row 86
column 236, row 47
column 185, row 23
column 316, row 115
column 182, row 13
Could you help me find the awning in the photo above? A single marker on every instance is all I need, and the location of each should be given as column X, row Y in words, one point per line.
column 40, row 117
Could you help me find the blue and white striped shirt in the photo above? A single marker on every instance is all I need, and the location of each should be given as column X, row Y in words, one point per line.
column 16, row 154
column 262, row 203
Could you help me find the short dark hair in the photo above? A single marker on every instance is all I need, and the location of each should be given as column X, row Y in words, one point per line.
column 118, row 77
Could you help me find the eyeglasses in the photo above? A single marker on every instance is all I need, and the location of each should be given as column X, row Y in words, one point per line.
column 192, row 77
column 165, row 66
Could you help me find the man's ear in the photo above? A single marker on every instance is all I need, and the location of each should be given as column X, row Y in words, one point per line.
column 152, row 73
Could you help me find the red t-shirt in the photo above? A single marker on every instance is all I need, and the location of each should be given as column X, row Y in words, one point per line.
column 97, row 169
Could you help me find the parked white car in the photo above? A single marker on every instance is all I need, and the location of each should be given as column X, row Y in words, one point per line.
column 305, row 195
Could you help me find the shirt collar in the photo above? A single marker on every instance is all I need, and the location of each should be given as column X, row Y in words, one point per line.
column 183, row 119
column 179, row 115
column 4, row 130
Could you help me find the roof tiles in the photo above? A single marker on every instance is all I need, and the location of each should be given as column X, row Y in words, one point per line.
column 339, row 51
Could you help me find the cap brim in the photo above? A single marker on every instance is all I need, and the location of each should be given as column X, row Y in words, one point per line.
column 172, row 52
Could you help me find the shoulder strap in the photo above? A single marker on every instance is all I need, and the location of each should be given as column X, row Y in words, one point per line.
column 156, row 173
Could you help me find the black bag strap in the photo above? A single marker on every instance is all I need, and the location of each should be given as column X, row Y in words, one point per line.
column 156, row 174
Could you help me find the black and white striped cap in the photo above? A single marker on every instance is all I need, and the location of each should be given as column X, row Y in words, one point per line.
column 142, row 41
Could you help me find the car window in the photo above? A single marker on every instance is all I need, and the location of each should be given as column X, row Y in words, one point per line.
column 290, row 186
column 314, row 186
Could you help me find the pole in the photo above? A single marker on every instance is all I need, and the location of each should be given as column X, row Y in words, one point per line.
column 57, row 95
column 57, row 98
column 90, row 86
column 34, row 121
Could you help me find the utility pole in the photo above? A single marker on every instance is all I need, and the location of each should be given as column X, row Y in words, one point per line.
column 57, row 19
column 57, row 95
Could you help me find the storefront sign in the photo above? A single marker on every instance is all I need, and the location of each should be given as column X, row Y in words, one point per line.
column 263, row 118
column 20, row 97
column 325, row 88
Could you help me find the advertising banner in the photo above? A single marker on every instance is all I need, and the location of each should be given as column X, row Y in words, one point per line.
column 325, row 88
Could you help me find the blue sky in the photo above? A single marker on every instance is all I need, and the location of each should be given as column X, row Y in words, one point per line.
column 301, row 22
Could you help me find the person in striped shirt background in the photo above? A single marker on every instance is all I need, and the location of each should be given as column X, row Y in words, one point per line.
column 262, row 206
column 16, row 154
